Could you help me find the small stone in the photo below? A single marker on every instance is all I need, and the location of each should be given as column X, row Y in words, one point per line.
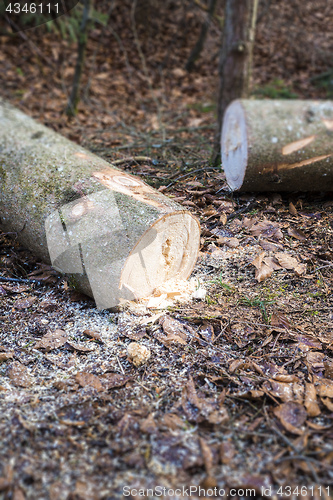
column 138, row 354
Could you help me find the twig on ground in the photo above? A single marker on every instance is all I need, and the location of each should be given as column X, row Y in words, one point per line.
column 190, row 173
column 20, row 280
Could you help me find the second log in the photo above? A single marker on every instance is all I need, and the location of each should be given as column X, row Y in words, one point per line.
column 278, row 145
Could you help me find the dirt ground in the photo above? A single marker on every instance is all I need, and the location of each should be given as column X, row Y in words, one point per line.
column 237, row 395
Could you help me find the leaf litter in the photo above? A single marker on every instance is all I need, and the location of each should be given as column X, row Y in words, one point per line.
column 237, row 391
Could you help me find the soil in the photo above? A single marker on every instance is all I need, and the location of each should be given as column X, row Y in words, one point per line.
column 232, row 390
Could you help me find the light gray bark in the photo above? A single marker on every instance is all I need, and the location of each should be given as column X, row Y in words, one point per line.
column 278, row 145
column 116, row 235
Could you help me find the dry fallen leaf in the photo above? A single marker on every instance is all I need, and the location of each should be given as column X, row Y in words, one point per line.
column 264, row 266
column 324, row 387
column 227, row 452
column 94, row 335
column 289, row 262
column 24, row 303
column 229, row 242
column 111, row 380
column 4, row 356
column 175, row 331
column 328, row 403
column 292, row 416
column 310, row 400
column 282, row 390
column 85, row 379
column 305, row 343
column 80, row 346
column 286, row 260
column 292, row 209
column 18, row 494
column 280, row 321
column 296, row 233
column 148, row 425
column 328, row 365
column 173, row 422
column 315, row 360
column 267, row 229
column 52, row 340
column 19, row 375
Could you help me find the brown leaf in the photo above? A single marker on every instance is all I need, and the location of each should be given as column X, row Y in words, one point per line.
column 280, row 390
column 173, row 327
column 111, row 380
column 206, row 331
column 148, row 425
column 229, row 242
column 254, row 482
column 236, row 364
column 292, row 209
column 80, row 346
column 85, row 379
column 270, row 247
column 4, row 484
column 267, row 229
column 328, row 365
column 192, row 394
column 18, row 494
column 324, row 387
column 4, row 356
column 219, row 416
column 48, row 306
column 227, row 452
column 94, row 335
column 264, row 266
column 286, row 260
column 292, row 416
column 280, row 321
column 290, row 263
column 328, row 403
column 173, row 422
column 207, row 455
column 285, row 377
column 296, row 233
column 24, row 303
column 19, row 375
column 175, row 331
column 310, row 401
column 52, row 340
column 305, row 343
column 315, row 360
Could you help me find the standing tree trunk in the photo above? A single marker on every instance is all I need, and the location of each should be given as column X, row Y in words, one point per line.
column 197, row 49
column 73, row 100
column 236, row 56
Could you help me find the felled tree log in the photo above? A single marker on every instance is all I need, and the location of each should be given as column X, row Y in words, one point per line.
column 117, row 237
column 270, row 145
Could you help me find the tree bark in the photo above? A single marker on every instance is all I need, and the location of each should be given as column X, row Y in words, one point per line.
column 73, row 100
column 235, row 63
column 116, row 236
column 197, row 49
column 278, row 145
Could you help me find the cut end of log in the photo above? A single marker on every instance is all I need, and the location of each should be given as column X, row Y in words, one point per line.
column 167, row 250
column 234, row 145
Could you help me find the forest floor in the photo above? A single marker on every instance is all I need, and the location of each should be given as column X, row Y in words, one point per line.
column 238, row 390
